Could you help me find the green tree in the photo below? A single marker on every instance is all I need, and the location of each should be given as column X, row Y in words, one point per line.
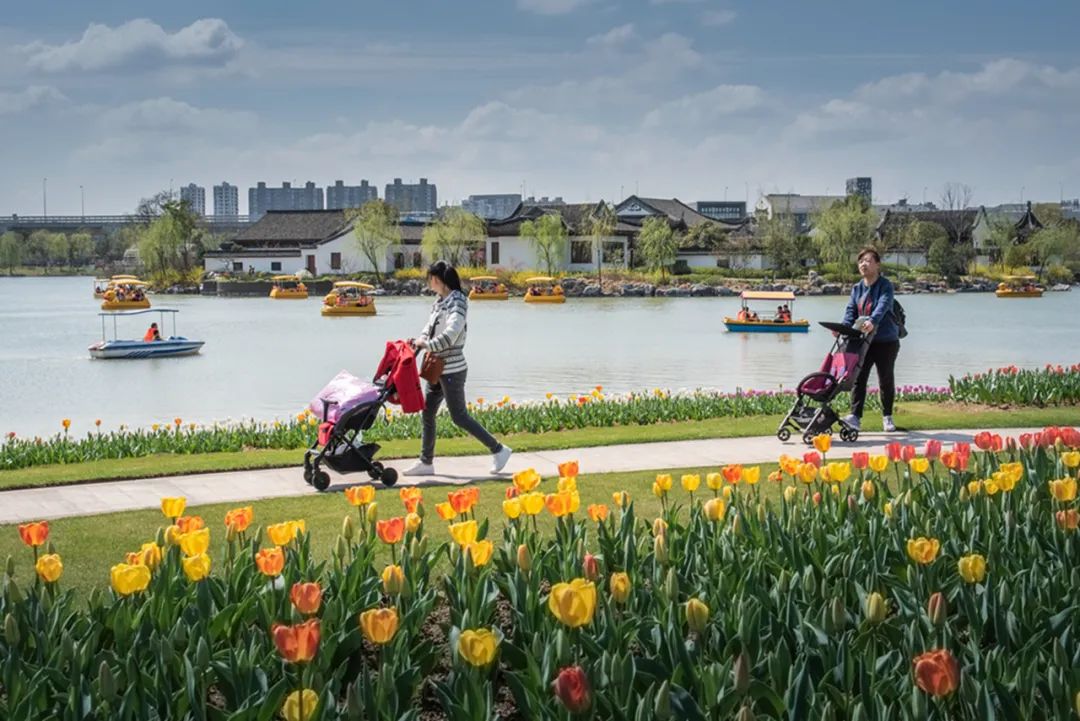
column 949, row 259
column 37, row 249
column 600, row 225
column 548, row 235
column 1002, row 240
column 920, row 235
column 1055, row 244
column 376, row 228
column 454, row 237
column 780, row 242
column 11, row 251
column 163, row 246
column 57, row 248
column 80, row 249
column 843, row 228
column 659, row 244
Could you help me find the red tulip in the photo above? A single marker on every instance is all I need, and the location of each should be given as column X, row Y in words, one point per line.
column 860, row 459
column 511, row 492
column 933, row 449
column 996, row 443
column 982, row 440
column 907, row 453
column 572, row 688
column 963, row 449
column 893, row 451
column 812, row 457
column 391, row 531
column 297, row 644
column 590, row 567
column 1070, row 437
column 1025, row 440
column 937, row 672
column 34, row 534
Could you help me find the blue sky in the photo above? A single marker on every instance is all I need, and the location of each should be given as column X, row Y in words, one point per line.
column 581, row 98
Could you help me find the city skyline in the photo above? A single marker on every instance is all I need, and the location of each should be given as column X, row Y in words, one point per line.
column 586, row 99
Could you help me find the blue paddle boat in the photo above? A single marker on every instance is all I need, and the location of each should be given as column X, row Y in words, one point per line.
column 160, row 347
column 776, row 320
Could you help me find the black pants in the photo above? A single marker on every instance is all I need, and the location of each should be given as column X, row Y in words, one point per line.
column 883, row 356
column 451, row 388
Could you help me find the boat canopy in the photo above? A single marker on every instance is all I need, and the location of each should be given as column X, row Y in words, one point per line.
column 540, row 279
column 286, row 277
column 353, row 284
column 1020, row 277
column 125, row 281
column 113, row 314
column 768, row 295
column 483, row 277
column 124, row 277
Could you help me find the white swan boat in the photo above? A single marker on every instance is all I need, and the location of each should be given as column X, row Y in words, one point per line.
column 174, row 345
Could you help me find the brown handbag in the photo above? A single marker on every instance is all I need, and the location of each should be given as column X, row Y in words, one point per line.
column 431, row 368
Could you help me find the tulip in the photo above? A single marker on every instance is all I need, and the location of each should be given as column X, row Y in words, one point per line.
column 726, row 493
column 532, row 503
column 1063, row 490
column 659, row 527
column 732, row 473
column 525, row 481
column 714, row 509
column 270, row 561
column 49, row 567
column 620, row 587
column 658, row 490
column 937, row 672
column 751, row 475
column 823, row 442
column 879, row 463
column 480, row 552
column 690, row 482
column 559, row 504
column 813, row 458
column 300, row 705
column 571, row 687
column 187, row 524
column 788, row 464
column 663, row 480
column 568, row 469
column 876, row 608
column 919, row 465
column 238, row 519
column 464, row 532
column 590, row 567
column 282, row 534
column 573, row 603
column 1071, row 459
column 512, row 508
column 34, row 534
column 379, row 625
column 868, row 490
column 923, row 550
column 598, row 512
column 463, row 500
column 807, row 472
column 348, row 528
column 816, row 498
column 907, row 453
column 983, row 440
column 776, row 476
column 393, row 580
column 933, row 449
column 391, row 531
column 1068, row 520
column 714, row 481
column 299, row 643
column 172, row 536
column 892, row 450
column 937, row 608
column 360, row 495
column 789, row 493
column 567, row 485
column 621, row 499
column 838, row 472
column 196, row 567
column 128, row 579
column 972, row 568
column 306, row 597
column 412, row 522
column 860, row 460
column 445, row 511
column 478, row 647
column 411, row 496
column 741, row 673
column 524, row 558
column 697, row 615
column 173, row 507
column 195, row 543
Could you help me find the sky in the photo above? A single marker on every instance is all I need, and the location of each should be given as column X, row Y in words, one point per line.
column 584, row 99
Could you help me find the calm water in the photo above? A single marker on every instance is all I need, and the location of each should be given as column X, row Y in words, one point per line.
column 266, row 359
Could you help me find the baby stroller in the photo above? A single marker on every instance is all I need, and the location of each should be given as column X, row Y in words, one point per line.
column 348, row 406
column 811, row 414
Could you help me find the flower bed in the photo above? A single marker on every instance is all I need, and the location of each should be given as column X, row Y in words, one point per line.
column 1049, row 386
column 917, row 583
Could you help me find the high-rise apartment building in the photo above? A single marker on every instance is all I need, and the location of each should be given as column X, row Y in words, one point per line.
column 195, row 197
column 494, row 206
column 262, row 199
column 863, row 187
column 226, row 200
column 410, row 198
column 340, row 196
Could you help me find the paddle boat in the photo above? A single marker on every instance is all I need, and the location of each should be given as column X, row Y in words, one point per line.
column 487, row 287
column 174, row 345
column 544, row 289
column 125, row 294
column 1019, row 286
column 100, row 286
column 349, row 298
column 774, row 321
column 288, row 287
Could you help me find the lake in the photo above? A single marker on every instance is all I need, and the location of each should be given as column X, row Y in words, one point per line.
column 266, row 359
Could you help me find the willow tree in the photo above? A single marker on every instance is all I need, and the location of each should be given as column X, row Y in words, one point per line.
column 600, row 225
column 548, row 235
column 454, row 236
column 376, row 228
column 11, row 251
column 659, row 244
column 843, row 228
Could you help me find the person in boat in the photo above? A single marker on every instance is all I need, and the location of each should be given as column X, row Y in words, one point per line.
column 152, row 333
column 742, row 316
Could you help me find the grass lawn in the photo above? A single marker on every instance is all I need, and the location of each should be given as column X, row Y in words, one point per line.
column 90, row 545
column 913, row 416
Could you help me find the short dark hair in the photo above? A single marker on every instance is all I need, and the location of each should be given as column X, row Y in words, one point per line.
column 869, row 251
column 446, row 273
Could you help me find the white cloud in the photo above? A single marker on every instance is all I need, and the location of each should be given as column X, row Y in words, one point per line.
column 33, row 97
column 166, row 115
column 718, row 18
column 705, row 109
column 613, row 38
column 138, row 44
column 551, row 7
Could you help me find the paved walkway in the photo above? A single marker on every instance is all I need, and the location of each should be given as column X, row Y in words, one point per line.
column 199, row 489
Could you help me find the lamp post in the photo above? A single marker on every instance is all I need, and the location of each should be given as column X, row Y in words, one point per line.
column 82, row 202
column 45, row 197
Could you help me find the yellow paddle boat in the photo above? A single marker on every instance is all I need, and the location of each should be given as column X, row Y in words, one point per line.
column 777, row 321
column 103, row 284
column 125, row 294
column 543, row 289
column 288, row 287
column 1019, row 286
column 349, row 298
column 487, row 287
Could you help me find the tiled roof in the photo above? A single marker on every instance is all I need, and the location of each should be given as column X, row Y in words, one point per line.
column 292, row 227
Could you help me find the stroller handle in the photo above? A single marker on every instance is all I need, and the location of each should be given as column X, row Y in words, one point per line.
column 841, row 328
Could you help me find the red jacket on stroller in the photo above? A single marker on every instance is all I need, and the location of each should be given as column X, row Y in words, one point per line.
column 399, row 362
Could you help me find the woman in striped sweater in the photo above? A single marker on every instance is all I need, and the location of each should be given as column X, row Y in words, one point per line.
column 444, row 336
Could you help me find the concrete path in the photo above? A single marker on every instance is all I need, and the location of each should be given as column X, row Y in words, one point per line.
column 92, row 498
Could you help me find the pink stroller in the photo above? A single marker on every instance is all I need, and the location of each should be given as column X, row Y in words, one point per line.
column 812, row 413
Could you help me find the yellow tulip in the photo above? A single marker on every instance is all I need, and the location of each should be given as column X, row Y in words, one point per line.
column 887, row 508
column 923, row 550
column 1063, row 489
column 839, row 472
column 714, row 509
column 715, row 481
column 659, row 527
column 532, row 503
column 697, row 614
column 567, row 485
column 196, row 567
column 379, row 625
column 481, row 552
column 974, row 487
column 823, row 442
column 751, row 475
column 868, row 490
column 512, row 507
column 524, row 558
column 300, row 705
column 1013, row 473
column 1071, row 459
column 149, row 554
column 49, row 567
column 393, row 580
column 525, row 481
column 658, row 490
column 690, row 482
column 128, row 579
column 464, row 532
column 664, row 481
column 620, row 587
column 919, row 465
column 660, row 549
column 789, row 465
column 282, row 534
column 807, row 472
column 991, row 486
column 412, row 522
column 879, row 463
column 573, row 603
column 478, row 647
column 726, row 492
column 789, row 493
column 173, row 507
column 621, row 499
column 972, row 568
column 194, row 543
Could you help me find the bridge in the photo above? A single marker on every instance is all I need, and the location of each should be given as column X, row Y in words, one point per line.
column 103, row 225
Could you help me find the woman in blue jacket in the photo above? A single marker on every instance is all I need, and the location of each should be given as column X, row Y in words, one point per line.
column 872, row 300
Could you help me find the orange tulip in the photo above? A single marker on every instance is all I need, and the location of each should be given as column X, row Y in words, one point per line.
column 411, row 496
column 598, row 512
column 558, row 504
column 445, row 511
column 34, row 534
column 568, row 469
column 297, row 644
column 1068, row 520
column 459, row 501
column 732, row 473
column 306, row 597
column 270, row 561
column 937, row 672
column 187, row 524
column 823, row 442
column 239, row 519
column 360, row 495
column 391, row 531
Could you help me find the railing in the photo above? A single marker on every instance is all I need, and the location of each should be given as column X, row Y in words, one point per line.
column 80, row 220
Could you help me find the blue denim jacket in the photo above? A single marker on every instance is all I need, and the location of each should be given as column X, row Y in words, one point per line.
column 875, row 301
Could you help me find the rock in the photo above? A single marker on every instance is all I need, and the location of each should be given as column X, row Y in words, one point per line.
column 591, row 291
column 725, row 292
column 700, row 290
column 831, row 289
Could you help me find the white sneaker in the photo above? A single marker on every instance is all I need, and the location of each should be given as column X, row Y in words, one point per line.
column 887, row 425
column 498, row 460
column 854, row 421
column 419, row 469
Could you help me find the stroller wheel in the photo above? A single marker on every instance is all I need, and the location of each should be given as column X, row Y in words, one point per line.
column 321, row 480
column 376, row 470
column 808, row 438
column 849, row 436
column 783, row 434
column 389, row 476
